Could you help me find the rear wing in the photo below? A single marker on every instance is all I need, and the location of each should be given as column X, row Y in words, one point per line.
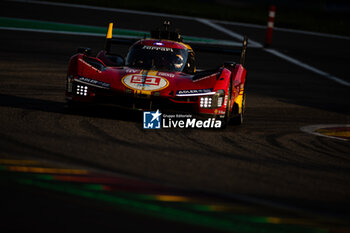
column 242, row 51
column 166, row 34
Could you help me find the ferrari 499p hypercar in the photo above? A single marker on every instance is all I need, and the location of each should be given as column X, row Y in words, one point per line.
column 159, row 73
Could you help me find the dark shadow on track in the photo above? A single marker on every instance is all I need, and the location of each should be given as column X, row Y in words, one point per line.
column 106, row 112
column 132, row 116
column 31, row 209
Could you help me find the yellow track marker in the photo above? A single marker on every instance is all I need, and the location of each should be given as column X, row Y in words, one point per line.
column 330, row 132
column 171, row 198
column 46, row 170
column 110, row 31
column 291, row 221
column 18, row 162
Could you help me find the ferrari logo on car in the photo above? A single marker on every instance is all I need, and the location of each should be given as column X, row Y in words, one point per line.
column 145, row 83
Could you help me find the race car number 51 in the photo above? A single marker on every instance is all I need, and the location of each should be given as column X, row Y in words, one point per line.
column 147, row 83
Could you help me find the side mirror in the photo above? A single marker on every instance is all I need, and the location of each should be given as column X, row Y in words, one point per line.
column 86, row 51
column 229, row 65
column 117, row 60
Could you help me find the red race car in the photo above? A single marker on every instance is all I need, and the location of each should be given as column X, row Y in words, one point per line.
column 159, row 73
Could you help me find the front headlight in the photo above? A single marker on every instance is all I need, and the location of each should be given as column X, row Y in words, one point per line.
column 213, row 101
column 82, row 90
column 69, row 84
column 205, row 102
column 218, row 99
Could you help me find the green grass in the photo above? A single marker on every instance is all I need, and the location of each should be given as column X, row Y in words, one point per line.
column 306, row 18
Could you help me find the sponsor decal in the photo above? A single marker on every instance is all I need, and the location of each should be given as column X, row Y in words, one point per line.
column 131, row 71
column 94, row 68
column 157, row 120
column 145, row 83
column 200, row 79
column 94, row 82
column 200, row 91
column 166, row 74
column 163, row 49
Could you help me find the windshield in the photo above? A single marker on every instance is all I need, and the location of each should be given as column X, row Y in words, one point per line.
column 156, row 58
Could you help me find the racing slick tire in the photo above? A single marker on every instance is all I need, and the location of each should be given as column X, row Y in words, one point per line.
column 72, row 106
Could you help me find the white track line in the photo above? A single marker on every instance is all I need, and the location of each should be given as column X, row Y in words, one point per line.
column 276, row 53
column 257, row 26
column 319, row 34
column 52, row 31
column 222, row 29
column 179, row 17
column 104, row 9
column 248, row 25
column 308, row 67
column 229, row 32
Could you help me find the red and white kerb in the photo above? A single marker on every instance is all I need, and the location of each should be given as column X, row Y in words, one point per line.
column 270, row 25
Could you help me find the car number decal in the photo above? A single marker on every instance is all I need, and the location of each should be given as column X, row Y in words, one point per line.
column 143, row 82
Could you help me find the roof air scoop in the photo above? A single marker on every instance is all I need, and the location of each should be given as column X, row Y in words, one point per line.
column 166, row 34
column 166, row 25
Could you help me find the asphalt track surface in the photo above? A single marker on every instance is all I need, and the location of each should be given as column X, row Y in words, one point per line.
column 267, row 160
